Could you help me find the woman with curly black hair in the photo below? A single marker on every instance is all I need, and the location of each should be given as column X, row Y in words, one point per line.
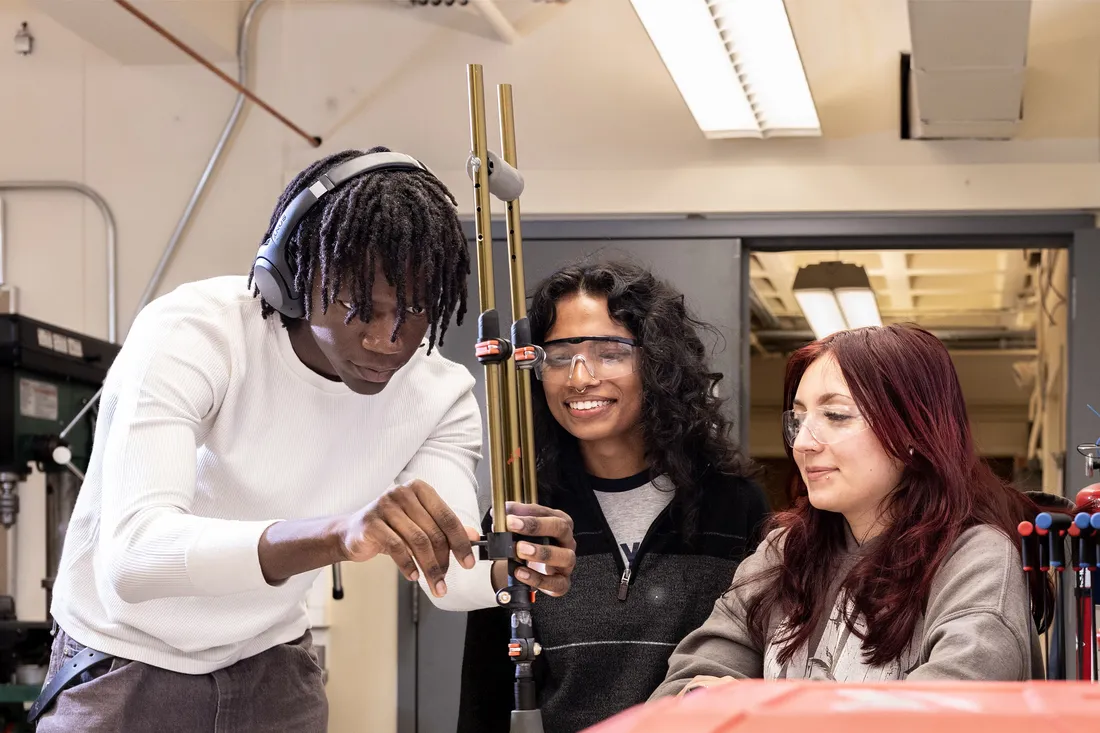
column 633, row 445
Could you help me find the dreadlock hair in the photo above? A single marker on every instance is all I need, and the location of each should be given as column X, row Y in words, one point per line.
column 406, row 220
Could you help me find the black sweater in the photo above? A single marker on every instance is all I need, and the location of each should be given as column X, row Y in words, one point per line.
column 606, row 643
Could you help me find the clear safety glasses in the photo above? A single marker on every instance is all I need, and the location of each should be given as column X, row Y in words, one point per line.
column 828, row 425
column 603, row 357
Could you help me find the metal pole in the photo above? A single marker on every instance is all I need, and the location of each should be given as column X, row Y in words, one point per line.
column 521, row 328
column 311, row 139
column 243, row 67
column 489, row 322
column 112, row 237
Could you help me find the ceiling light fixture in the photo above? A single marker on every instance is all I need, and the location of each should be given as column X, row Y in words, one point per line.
column 736, row 64
column 836, row 296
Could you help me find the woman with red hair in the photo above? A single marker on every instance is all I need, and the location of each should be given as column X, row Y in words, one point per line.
column 898, row 559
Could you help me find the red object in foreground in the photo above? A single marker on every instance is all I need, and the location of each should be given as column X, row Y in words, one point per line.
column 789, row 706
column 1088, row 498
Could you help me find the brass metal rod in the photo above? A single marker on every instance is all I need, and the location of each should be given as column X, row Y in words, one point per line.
column 479, row 147
column 529, row 486
column 516, row 458
column 311, row 139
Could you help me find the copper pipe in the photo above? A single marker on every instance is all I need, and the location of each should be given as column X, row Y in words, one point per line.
column 311, row 139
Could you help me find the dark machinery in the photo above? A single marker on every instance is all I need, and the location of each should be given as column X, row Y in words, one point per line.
column 49, row 379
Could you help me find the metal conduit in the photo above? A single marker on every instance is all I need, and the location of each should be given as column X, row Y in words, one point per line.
column 243, row 43
column 112, row 237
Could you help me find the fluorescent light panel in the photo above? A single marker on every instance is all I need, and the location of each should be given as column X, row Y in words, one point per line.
column 736, row 64
column 822, row 312
column 859, row 306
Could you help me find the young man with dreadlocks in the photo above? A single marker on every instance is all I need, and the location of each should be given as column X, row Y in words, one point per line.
column 237, row 454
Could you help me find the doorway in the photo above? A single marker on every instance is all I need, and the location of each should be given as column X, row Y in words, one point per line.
column 1002, row 313
column 1002, row 261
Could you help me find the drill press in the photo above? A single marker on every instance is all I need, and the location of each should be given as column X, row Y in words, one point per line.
column 49, row 377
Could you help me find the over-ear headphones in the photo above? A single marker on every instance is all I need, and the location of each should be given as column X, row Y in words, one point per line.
column 271, row 272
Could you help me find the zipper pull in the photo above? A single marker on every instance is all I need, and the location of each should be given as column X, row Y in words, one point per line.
column 624, row 585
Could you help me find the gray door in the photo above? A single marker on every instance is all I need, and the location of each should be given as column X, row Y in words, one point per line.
column 712, row 275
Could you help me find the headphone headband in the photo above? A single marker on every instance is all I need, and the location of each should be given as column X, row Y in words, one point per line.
column 271, row 272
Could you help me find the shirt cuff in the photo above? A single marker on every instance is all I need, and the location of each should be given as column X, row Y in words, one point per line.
column 225, row 558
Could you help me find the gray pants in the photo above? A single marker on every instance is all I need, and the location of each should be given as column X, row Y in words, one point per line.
column 280, row 689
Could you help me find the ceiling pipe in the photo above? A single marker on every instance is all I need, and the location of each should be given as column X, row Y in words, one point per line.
column 763, row 313
column 500, row 24
column 243, row 37
column 243, row 69
column 311, row 139
column 111, row 234
column 958, row 339
column 944, row 334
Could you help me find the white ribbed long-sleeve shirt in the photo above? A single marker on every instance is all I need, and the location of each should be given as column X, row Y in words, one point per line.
column 210, row 429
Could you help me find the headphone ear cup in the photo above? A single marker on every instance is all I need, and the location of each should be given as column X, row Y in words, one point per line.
column 272, row 277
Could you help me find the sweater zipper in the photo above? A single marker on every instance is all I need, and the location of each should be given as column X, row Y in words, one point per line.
column 627, row 571
column 624, row 581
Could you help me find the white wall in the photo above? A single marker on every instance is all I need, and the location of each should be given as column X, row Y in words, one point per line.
column 601, row 130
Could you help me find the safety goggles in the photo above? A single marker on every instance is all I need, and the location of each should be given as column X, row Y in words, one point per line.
column 828, row 424
column 602, row 357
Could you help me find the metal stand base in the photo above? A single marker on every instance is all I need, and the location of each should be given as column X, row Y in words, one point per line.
column 526, row 721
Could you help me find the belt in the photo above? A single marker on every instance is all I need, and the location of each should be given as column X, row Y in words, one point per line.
column 79, row 664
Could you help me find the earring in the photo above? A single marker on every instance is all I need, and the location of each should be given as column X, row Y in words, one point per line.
column 910, row 451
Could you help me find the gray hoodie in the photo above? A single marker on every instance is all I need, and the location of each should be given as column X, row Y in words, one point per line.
column 976, row 626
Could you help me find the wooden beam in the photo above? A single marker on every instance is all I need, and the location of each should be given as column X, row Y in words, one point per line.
column 896, row 267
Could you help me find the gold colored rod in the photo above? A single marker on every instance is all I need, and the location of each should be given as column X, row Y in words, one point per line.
column 529, row 486
column 512, row 431
column 486, row 291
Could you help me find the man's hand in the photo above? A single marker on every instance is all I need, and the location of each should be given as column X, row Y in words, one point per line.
column 557, row 562
column 412, row 525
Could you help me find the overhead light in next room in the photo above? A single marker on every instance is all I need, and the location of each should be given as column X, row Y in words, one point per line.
column 836, row 296
column 736, row 64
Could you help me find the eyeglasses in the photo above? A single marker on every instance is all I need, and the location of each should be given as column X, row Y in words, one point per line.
column 828, row 424
column 603, row 357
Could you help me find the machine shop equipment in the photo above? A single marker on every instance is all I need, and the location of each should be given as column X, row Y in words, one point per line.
column 49, row 377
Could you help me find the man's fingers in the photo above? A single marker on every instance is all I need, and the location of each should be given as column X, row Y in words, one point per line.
column 416, row 540
column 457, row 538
column 394, row 546
column 562, row 559
column 410, row 504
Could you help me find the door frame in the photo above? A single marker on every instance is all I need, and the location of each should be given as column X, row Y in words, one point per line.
column 1073, row 230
